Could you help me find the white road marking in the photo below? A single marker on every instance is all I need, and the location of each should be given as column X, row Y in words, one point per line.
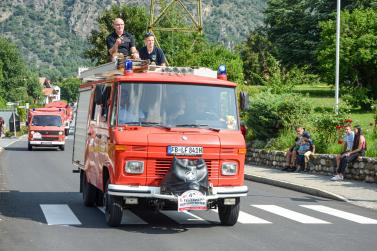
column 59, row 215
column 245, row 218
column 184, row 217
column 341, row 214
column 299, row 217
column 128, row 218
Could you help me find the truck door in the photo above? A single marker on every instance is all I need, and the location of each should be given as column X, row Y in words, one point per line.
column 81, row 127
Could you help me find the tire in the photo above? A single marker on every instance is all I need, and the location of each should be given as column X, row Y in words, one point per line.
column 62, row 147
column 113, row 208
column 89, row 192
column 29, row 147
column 228, row 214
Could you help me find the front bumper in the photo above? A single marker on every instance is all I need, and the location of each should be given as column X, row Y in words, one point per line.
column 154, row 192
column 46, row 143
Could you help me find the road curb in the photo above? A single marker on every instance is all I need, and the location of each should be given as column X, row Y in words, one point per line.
column 295, row 187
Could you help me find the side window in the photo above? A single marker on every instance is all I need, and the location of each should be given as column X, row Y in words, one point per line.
column 106, row 92
column 100, row 106
column 113, row 118
column 93, row 116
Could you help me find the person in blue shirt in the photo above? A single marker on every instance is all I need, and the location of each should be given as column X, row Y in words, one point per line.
column 347, row 145
column 305, row 150
column 150, row 52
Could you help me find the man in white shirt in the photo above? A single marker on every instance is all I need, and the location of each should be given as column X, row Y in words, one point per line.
column 347, row 145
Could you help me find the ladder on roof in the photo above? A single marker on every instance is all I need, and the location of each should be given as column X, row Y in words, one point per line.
column 111, row 70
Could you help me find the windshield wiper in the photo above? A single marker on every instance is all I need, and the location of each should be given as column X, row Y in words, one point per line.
column 147, row 123
column 156, row 124
column 199, row 126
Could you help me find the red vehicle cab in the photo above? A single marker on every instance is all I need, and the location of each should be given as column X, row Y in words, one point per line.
column 169, row 140
column 46, row 128
column 64, row 106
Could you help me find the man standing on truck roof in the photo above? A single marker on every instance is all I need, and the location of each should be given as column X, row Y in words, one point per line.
column 121, row 41
column 150, row 52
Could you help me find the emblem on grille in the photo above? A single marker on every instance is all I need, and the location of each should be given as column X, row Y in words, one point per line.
column 184, row 138
column 191, row 174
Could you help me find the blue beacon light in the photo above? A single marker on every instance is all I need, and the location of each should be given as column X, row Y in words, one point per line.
column 128, row 67
column 221, row 72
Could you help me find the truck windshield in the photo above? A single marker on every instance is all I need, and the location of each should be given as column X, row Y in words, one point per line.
column 46, row 120
column 177, row 105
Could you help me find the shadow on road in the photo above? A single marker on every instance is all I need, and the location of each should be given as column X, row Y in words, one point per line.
column 26, row 206
column 37, row 149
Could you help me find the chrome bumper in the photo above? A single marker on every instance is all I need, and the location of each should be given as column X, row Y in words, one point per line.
column 154, row 192
column 47, row 143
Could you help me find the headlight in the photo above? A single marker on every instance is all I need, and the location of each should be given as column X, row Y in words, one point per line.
column 134, row 166
column 60, row 133
column 229, row 168
column 32, row 132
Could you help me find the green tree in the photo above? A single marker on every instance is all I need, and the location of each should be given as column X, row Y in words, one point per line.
column 69, row 89
column 358, row 50
column 16, row 81
column 293, row 27
column 256, row 54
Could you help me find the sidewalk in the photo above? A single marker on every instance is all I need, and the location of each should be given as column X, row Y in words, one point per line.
column 355, row 192
column 4, row 142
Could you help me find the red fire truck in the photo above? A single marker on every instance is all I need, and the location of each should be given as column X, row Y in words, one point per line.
column 46, row 128
column 64, row 106
column 167, row 139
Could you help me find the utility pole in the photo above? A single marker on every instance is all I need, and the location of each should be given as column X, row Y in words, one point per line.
column 337, row 57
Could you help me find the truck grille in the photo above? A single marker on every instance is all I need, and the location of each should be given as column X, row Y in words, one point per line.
column 162, row 166
column 49, row 132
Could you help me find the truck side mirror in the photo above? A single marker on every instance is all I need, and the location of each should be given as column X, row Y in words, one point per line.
column 244, row 101
column 27, row 123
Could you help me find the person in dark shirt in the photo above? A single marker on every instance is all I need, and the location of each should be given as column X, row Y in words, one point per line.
column 150, row 52
column 121, row 42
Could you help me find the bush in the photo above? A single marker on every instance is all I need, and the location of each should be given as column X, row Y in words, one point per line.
column 270, row 113
column 357, row 97
column 323, row 129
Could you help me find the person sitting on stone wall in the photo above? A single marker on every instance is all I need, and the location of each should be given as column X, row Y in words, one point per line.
column 358, row 149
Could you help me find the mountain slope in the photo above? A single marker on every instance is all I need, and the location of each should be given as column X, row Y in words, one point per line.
column 52, row 33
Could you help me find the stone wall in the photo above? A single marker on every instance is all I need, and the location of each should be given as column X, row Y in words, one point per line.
column 363, row 169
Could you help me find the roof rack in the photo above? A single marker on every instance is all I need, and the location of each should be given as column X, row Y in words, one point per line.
column 110, row 70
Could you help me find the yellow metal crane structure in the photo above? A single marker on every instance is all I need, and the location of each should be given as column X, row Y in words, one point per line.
column 196, row 24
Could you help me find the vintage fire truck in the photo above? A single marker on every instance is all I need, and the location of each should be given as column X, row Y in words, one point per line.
column 167, row 138
column 64, row 106
column 46, row 128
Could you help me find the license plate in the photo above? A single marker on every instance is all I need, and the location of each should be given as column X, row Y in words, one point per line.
column 185, row 150
column 192, row 200
column 46, row 143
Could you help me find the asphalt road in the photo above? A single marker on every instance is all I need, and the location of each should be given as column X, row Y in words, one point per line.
column 41, row 209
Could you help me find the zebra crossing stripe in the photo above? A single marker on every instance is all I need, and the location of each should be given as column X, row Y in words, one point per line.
column 59, row 214
column 299, row 217
column 184, row 217
column 128, row 217
column 341, row 214
column 245, row 218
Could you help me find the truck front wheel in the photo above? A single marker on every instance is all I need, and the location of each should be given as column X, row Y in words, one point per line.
column 113, row 208
column 61, row 147
column 228, row 214
column 29, row 147
column 89, row 192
